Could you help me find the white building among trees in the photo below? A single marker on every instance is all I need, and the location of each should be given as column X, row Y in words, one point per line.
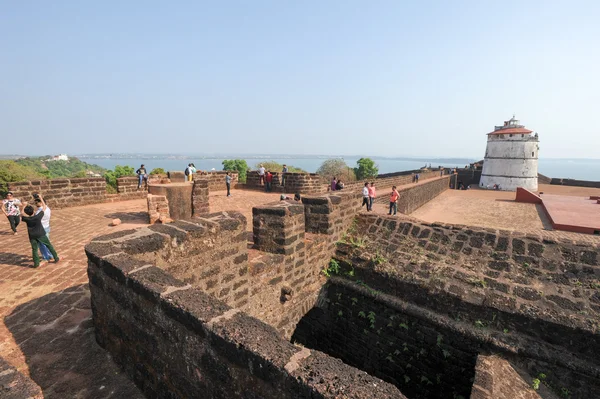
column 511, row 158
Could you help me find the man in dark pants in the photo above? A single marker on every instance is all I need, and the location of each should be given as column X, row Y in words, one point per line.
column 10, row 208
column 37, row 234
column 228, row 184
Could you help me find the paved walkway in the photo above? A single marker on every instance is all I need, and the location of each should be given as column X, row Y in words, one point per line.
column 498, row 210
column 45, row 317
column 46, row 328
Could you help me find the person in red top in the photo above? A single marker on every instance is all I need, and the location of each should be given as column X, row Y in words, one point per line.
column 394, row 200
column 268, row 181
column 371, row 196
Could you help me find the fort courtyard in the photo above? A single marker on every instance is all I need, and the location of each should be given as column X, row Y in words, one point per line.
column 49, row 334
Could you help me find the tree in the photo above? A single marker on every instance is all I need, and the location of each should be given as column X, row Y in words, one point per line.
column 10, row 171
column 120, row 171
column 158, row 171
column 238, row 165
column 366, row 169
column 336, row 168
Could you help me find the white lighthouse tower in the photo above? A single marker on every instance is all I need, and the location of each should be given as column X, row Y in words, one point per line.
column 511, row 158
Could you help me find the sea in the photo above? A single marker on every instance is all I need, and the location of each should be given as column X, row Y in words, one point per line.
column 582, row 169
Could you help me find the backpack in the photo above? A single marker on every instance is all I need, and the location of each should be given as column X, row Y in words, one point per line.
column 187, row 171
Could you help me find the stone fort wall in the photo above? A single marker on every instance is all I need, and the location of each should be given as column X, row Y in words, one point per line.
column 437, row 296
column 198, row 281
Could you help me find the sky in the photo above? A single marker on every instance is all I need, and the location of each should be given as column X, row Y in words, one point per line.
column 382, row 78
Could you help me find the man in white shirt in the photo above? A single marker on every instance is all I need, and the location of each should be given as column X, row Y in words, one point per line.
column 365, row 194
column 46, row 223
column 261, row 174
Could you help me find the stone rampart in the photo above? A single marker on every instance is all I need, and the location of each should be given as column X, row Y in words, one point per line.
column 62, row 193
column 184, row 290
column 531, row 300
column 216, row 179
column 413, row 197
column 302, row 183
column 387, row 180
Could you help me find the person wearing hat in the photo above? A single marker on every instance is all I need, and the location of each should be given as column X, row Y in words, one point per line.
column 10, row 208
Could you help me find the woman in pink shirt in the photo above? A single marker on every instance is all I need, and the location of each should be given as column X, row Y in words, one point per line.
column 371, row 196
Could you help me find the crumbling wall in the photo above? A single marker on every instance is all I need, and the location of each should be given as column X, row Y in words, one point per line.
column 158, row 209
column 174, row 340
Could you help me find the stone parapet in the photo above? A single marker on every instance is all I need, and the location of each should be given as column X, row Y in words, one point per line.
column 62, row 193
column 216, row 179
column 302, row 183
column 412, row 197
column 279, row 227
column 158, row 288
column 200, row 197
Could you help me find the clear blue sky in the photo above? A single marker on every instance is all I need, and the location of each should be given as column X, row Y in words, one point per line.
column 384, row 78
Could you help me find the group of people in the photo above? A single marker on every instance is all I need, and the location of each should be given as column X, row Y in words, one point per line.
column 336, row 184
column 266, row 177
column 369, row 194
column 37, row 220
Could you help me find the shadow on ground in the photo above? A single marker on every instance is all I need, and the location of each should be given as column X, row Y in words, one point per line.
column 543, row 217
column 129, row 217
column 56, row 335
column 8, row 258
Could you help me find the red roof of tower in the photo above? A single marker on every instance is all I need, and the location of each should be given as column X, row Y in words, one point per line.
column 512, row 130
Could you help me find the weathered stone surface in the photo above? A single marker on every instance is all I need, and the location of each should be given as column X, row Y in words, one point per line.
column 179, row 198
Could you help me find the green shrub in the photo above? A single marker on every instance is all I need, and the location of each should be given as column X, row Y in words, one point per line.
column 11, row 171
column 158, row 171
column 238, row 165
column 111, row 176
column 366, row 169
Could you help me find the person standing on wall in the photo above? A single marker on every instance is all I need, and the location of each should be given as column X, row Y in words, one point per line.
column 10, row 208
column 37, row 234
column 365, row 194
column 142, row 175
column 394, row 200
column 261, row 174
column 371, row 195
column 228, row 184
column 268, row 181
column 46, row 224
column 192, row 172
column 283, row 174
column 187, row 173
